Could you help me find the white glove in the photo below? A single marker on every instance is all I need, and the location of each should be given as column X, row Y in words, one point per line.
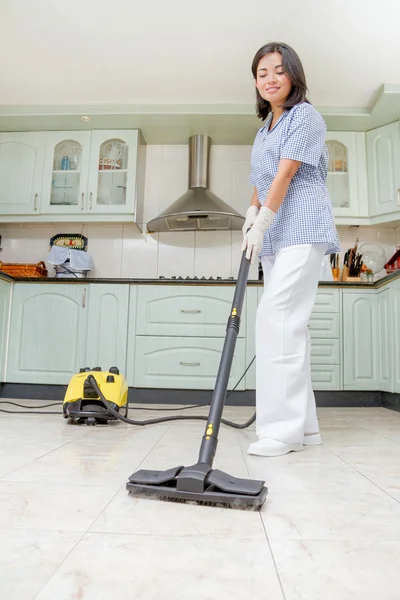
column 253, row 241
column 250, row 217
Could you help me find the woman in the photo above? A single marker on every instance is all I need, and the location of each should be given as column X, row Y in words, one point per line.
column 292, row 228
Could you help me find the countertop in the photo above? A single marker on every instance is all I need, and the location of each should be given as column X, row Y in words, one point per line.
column 198, row 282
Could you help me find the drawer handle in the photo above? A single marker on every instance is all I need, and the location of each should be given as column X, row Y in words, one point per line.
column 189, row 364
column 190, row 312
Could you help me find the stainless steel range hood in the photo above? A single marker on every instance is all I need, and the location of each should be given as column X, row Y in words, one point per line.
column 198, row 209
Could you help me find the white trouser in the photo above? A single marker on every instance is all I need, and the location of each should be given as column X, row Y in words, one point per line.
column 284, row 396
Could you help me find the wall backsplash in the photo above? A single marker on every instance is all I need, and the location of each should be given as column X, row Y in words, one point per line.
column 123, row 251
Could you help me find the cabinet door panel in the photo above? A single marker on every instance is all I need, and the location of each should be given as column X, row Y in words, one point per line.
column 325, row 377
column 184, row 363
column 47, row 333
column 360, row 341
column 384, row 340
column 5, row 290
column 383, row 154
column 21, row 168
column 395, row 297
column 107, row 326
column 114, row 160
column 65, row 189
column 188, row 311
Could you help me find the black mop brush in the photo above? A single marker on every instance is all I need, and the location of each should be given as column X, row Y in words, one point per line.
column 200, row 483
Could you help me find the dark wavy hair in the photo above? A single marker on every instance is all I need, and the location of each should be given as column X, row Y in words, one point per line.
column 294, row 70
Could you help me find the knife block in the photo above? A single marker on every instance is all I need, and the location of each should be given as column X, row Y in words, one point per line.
column 345, row 276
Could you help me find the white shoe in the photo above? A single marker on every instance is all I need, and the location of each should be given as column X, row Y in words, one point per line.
column 312, row 439
column 270, row 447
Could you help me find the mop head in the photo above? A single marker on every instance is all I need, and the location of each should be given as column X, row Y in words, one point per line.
column 198, row 484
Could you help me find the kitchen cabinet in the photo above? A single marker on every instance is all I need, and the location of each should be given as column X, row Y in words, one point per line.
column 184, row 362
column 21, row 170
column 107, row 326
column 91, row 172
column 48, row 331
column 360, row 349
column 324, row 327
column 180, row 331
column 66, row 172
column 185, row 311
column 383, row 159
column 5, row 291
column 394, row 327
column 347, row 173
column 384, row 309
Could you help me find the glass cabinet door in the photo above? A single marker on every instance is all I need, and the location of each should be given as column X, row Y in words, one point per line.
column 66, row 172
column 65, row 184
column 338, row 176
column 112, row 184
column 113, row 170
column 346, row 169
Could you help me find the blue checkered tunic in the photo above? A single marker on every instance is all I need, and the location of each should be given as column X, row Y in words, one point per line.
column 305, row 215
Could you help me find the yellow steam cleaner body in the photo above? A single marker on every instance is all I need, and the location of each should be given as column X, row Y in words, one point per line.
column 83, row 404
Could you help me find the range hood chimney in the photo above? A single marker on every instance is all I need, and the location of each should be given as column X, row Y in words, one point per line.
column 198, row 209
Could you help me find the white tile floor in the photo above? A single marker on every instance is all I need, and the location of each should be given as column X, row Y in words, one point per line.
column 330, row 529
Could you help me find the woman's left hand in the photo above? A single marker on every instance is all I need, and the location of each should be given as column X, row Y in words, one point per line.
column 253, row 240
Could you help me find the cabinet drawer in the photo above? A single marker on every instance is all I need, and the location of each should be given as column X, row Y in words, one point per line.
column 326, row 301
column 184, row 363
column 185, row 311
column 325, row 352
column 325, row 377
column 324, row 326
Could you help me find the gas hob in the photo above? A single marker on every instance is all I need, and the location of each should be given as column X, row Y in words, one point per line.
column 195, row 278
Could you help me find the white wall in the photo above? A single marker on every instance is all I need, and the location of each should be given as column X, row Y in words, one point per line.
column 122, row 251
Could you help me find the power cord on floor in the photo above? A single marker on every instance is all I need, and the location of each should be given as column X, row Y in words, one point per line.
column 32, row 409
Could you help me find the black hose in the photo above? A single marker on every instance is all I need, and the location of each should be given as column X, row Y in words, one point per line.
column 56, row 403
column 132, row 421
column 116, row 414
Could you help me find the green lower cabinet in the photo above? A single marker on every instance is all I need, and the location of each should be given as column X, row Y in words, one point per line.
column 324, row 330
column 183, row 362
column 384, row 340
column 360, row 340
column 5, row 291
column 395, row 328
column 107, row 326
column 47, row 332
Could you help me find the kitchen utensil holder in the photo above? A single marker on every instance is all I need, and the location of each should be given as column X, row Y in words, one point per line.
column 346, row 277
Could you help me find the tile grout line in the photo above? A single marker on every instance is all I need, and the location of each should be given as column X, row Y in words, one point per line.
column 120, row 488
column 41, row 456
column 273, row 559
column 94, row 521
column 363, row 475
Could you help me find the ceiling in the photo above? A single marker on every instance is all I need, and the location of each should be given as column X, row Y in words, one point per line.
column 170, row 53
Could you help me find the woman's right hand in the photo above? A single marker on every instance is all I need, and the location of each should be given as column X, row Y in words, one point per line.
column 250, row 217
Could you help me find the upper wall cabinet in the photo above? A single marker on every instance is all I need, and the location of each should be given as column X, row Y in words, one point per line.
column 66, row 172
column 91, row 172
column 112, row 179
column 383, row 155
column 347, row 177
column 21, row 168
column 88, row 175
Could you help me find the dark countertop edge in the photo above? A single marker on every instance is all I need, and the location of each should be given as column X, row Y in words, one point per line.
column 251, row 282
